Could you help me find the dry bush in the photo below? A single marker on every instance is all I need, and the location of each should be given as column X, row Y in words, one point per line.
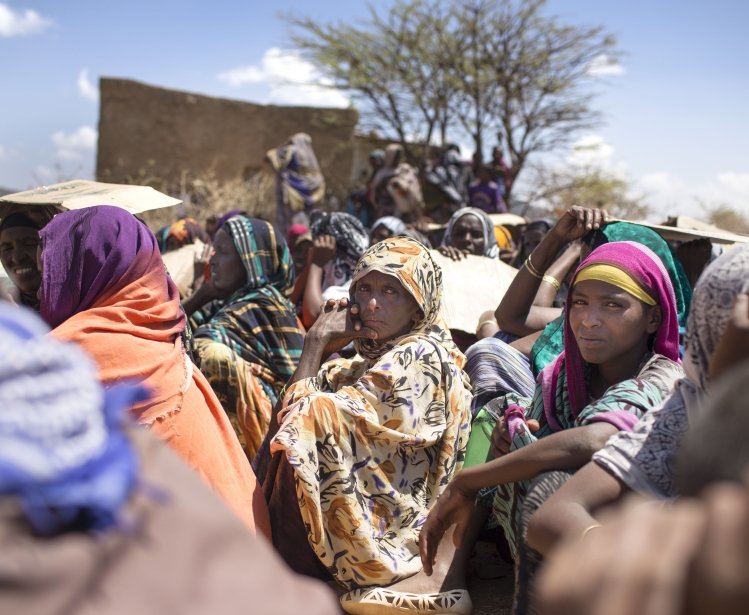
column 206, row 195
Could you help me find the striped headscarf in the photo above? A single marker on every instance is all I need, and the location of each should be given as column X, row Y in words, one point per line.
column 258, row 322
column 62, row 450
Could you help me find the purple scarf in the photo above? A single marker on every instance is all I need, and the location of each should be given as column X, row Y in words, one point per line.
column 647, row 269
column 89, row 252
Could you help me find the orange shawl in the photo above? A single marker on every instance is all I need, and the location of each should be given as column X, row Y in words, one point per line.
column 133, row 333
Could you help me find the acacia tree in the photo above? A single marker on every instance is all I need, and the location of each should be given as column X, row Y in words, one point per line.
column 431, row 70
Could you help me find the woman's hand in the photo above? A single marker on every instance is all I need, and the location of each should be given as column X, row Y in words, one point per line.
column 578, row 221
column 337, row 325
column 323, row 250
column 454, row 507
column 501, row 436
column 453, row 252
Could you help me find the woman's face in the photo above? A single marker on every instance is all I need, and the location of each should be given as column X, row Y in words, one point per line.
column 385, row 305
column 18, row 247
column 609, row 324
column 468, row 234
column 227, row 271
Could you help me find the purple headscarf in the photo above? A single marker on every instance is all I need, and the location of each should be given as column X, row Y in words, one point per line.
column 647, row 269
column 88, row 252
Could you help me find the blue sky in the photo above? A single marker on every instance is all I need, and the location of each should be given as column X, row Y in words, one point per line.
column 674, row 114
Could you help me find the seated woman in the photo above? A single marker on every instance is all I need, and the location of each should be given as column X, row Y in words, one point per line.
column 339, row 241
column 469, row 231
column 365, row 446
column 525, row 309
column 247, row 336
column 19, row 240
column 104, row 288
column 620, row 360
column 644, row 460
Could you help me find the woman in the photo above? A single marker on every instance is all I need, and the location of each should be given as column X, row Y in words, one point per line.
column 522, row 314
column 386, row 227
column 248, row 339
column 620, row 360
column 469, row 231
column 644, row 459
column 104, row 288
column 366, row 445
column 19, row 240
column 94, row 511
column 339, row 241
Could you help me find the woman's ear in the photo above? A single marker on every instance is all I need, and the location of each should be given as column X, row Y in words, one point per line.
column 655, row 317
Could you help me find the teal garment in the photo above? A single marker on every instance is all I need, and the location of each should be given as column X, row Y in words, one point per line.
column 551, row 342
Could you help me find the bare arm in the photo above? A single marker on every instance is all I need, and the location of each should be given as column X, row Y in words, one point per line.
column 569, row 512
column 516, row 313
column 323, row 251
column 568, row 449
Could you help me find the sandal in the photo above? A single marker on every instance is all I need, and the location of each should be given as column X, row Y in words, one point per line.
column 384, row 601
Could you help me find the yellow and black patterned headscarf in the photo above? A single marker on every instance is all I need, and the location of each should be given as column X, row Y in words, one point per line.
column 411, row 263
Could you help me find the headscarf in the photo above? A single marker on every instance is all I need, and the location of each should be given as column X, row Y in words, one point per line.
column 413, row 266
column 648, row 270
column 627, row 231
column 258, row 322
column 645, row 459
column 396, row 226
column 551, row 342
column 491, row 249
column 88, row 253
column 373, row 441
column 186, row 231
column 351, row 239
column 224, row 217
column 503, row 237
column 62, row 451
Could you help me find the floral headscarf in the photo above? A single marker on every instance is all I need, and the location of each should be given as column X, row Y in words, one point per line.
column 411, row 263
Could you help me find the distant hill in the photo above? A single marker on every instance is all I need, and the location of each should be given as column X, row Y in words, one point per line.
column 4, row 191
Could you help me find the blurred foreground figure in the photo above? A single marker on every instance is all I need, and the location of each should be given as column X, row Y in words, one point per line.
column 98, row 516
column 688, row 558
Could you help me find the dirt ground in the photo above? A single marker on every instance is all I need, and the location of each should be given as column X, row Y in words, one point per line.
column 491, row 582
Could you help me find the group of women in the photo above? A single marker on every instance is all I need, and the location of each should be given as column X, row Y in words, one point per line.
column 376, row 470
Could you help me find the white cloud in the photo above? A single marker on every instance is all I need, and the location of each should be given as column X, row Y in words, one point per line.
column 21, row 23
column 85, row 88
column 591, row 151
column 289, row 78
column 671, row 195
column 73, row 146
column 605, row 66
column 3, row 153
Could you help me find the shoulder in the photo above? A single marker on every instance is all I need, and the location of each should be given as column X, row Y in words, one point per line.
column 661, row 372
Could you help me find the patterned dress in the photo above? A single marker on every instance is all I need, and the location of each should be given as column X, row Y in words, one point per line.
column 373, row 441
